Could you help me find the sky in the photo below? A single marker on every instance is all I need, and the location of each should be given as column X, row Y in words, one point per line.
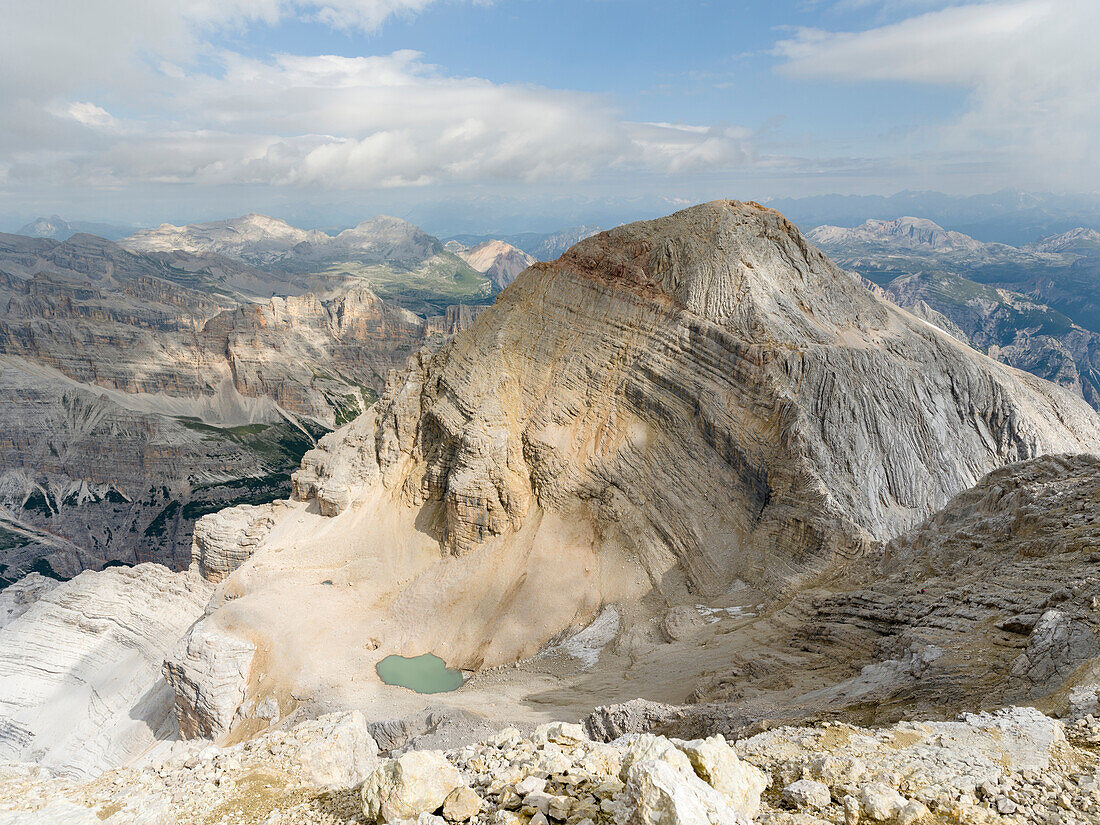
column 524, row 114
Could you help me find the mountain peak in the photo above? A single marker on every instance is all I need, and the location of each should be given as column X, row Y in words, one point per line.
column 1074, row 240
column 501, row 261
column 902, row 233
column 734, row 263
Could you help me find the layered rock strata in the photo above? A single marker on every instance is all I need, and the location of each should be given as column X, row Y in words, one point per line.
column 145, row 390
column 712, row 350
column 80, row 683
column 672, row 414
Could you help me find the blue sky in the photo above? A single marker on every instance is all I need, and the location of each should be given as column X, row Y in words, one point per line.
column 528, row 111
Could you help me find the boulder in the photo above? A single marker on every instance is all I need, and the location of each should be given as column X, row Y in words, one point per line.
column 716, row 763
column 807, row 793
column 881, row 802
column 208, row 671
column 336, row 751
column 461, row 805
column 415, row 783
column 647, row 747
column 659, row 794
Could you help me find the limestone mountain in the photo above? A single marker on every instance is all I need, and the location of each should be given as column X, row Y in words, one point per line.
column 144, row 390
column 542, row 246
column 1082, row 241
column 499, row 260
column 901, row 233
column 712, row 415
column 59, row 229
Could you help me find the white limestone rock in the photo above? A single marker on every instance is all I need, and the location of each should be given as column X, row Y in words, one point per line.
column 659, row 794
column 17, row 598
column 225, row 540
column 335, row 751
column 80, row 685
column 807, row 793
column 934, row 763
column 881, row 803
column 416, row 782
column 208, row 671
column 646, row 747
column 716, row 763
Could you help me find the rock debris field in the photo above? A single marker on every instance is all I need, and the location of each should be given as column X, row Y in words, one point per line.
column 1010, row 766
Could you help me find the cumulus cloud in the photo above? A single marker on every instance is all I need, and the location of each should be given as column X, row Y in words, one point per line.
column 1029, row 68
column 371, row 122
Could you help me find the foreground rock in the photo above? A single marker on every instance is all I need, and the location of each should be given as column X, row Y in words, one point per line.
column 1010, row 767
column 80, row 685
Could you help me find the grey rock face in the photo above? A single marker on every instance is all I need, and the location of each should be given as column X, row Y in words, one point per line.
column 207, row 671
column 223, row 541
column 1033, row 307
column 1058, row 645
column 990, row 601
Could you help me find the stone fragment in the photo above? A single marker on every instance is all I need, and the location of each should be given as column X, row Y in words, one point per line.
column 530, row 784
column 851, row 810
column 716, row 763
column 807, row 793
column 646, row 747
column 336, row 751
column 562, row 733
column 660, row 794
column 461, row 804
column 880, row 802
column 913, row 812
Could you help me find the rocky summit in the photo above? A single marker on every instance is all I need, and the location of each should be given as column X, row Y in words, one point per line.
column 777, row 549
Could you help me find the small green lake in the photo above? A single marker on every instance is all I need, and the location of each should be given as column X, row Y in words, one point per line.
column 423, row 674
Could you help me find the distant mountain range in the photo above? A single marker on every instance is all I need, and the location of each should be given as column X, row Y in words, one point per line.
column 542, row 246
column 499, row 260
column 401, row 262
column 1036, row 307
column 60, row 229
column 147, row 384
column 1008, row 216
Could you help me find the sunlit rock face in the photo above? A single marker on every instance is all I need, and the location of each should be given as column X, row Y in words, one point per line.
column 501, row 261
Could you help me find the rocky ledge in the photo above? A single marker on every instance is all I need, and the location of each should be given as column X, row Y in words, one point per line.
column 1010, row 766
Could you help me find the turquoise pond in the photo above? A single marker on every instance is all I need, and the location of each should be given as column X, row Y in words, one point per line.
column 424, row 674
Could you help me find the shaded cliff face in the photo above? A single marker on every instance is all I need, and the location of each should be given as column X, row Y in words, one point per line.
column 710, row 391
column 1008, row 326
column 1033, row 307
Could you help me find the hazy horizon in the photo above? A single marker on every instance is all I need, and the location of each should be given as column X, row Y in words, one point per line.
column 505, row 115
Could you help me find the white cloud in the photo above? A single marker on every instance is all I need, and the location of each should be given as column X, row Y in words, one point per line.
column 92, row 116
column 1030, row 69
column 367, row 123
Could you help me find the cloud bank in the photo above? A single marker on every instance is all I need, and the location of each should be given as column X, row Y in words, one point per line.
column 180, row 111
